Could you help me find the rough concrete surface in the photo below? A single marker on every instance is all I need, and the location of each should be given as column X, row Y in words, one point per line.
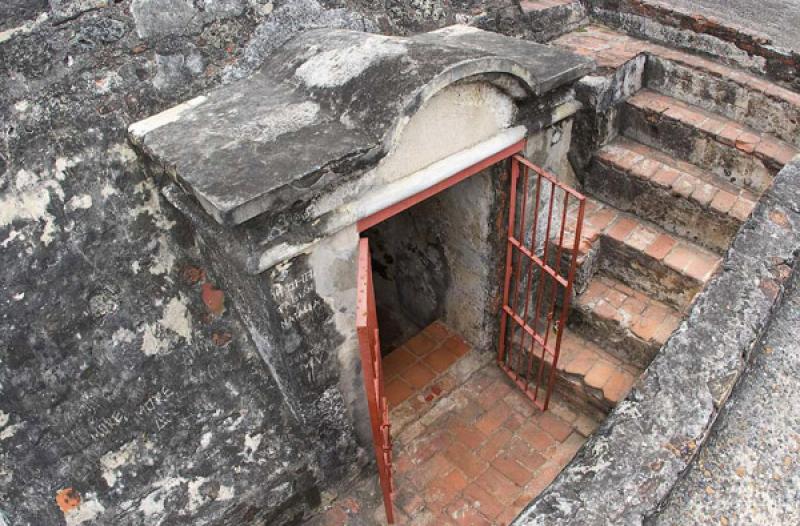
column 749, row 470
column 779, row 19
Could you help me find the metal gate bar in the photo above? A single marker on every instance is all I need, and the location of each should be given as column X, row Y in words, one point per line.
column 372, row 368
column 534, row 371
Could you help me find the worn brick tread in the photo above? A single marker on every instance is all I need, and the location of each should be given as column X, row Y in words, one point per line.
column 723, row 130
column 640, row 315
column 602, row 220
column 612, row 49
column 683, row 179
column 593, row 371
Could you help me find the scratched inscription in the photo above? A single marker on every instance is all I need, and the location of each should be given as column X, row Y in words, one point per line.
column 296, row 299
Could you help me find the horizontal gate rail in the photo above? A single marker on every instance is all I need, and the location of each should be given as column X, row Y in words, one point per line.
column 540, row 271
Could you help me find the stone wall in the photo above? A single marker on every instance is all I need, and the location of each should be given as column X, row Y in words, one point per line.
column 440, row 259
column 130, row 392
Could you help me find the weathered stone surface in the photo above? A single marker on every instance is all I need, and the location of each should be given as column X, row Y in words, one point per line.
column 125, row 398
column 244, row 149
column 651, row 437
column 747, row 471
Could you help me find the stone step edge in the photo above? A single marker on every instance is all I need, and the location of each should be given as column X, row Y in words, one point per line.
column 665, row 248
column 670, row 176
column 635, row 47
column 773, row 152
column 580, row 372
column 598, row 392
column 635, row 327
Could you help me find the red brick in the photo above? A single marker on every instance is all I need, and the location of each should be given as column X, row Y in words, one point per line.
column 397, row 391
column 641, row 238
column 701, row 266
column 435, row 467
column 495, row 445
column 661, row 246
column 666, row 329
column 464, row 459
column 421, row 344
column 418, row 375
column 647, row 168
column 463, row 514
column 615, row 297
column 747, row 142
column 723, row 201
column 582, row 363
column 567, row 449
column 497, row 390
column 684, row 186
column 621, row 228
column 543, row 478
column 437, row 331
column 509, row 467
column 456, row 345
column 554, row 426
column 493, row 418
column 594, row 291
column 775, row 151
column 602, row 218
column 397, row 361
column 666, row 176
column 605, row 310
column 521, row 404
column 679, row 257
column 599, row 374
column 483, row 501
column 618, row 386
column 742, row 209
column 441, row 491
column 729, row 134
column 468, row 435
column 498, row 485
column 704, row 193
column 536, row 437
column 645, row 327
column 440, row 360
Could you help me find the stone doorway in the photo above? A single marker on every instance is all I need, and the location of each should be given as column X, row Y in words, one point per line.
column 468, row 445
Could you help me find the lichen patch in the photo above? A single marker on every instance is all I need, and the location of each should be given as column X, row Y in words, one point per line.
column 337, row 67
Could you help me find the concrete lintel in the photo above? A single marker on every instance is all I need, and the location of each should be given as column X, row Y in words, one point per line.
column 384, row 196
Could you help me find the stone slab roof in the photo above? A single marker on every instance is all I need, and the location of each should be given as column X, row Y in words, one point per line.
column 323, row 108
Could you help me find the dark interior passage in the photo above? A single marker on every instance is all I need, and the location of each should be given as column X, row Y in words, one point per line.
column 441, row 260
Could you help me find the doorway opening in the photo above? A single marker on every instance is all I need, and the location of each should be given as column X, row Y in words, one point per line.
column 463, row 439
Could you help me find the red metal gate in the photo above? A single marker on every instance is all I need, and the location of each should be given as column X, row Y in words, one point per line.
column 367, row 324
column 539, row 268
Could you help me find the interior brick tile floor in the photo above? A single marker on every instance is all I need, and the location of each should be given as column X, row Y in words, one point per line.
column 469, row 447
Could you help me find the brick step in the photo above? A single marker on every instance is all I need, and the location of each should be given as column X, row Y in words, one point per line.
column 549, row 19
column 586, row 375
column 724, row 147
column 762, row 105
column 627, row 323
column 677, row 196
column 666, row 267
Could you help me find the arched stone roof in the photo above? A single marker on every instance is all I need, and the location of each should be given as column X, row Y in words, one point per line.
column 326, row 106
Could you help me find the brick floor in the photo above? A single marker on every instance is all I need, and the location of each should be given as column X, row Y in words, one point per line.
column 476, row 454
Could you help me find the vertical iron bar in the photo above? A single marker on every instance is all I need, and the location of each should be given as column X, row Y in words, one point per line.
column 509, row 256
column 515, row 289
column 539, row 290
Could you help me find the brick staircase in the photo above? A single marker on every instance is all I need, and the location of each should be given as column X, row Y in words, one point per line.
column 694, row 144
